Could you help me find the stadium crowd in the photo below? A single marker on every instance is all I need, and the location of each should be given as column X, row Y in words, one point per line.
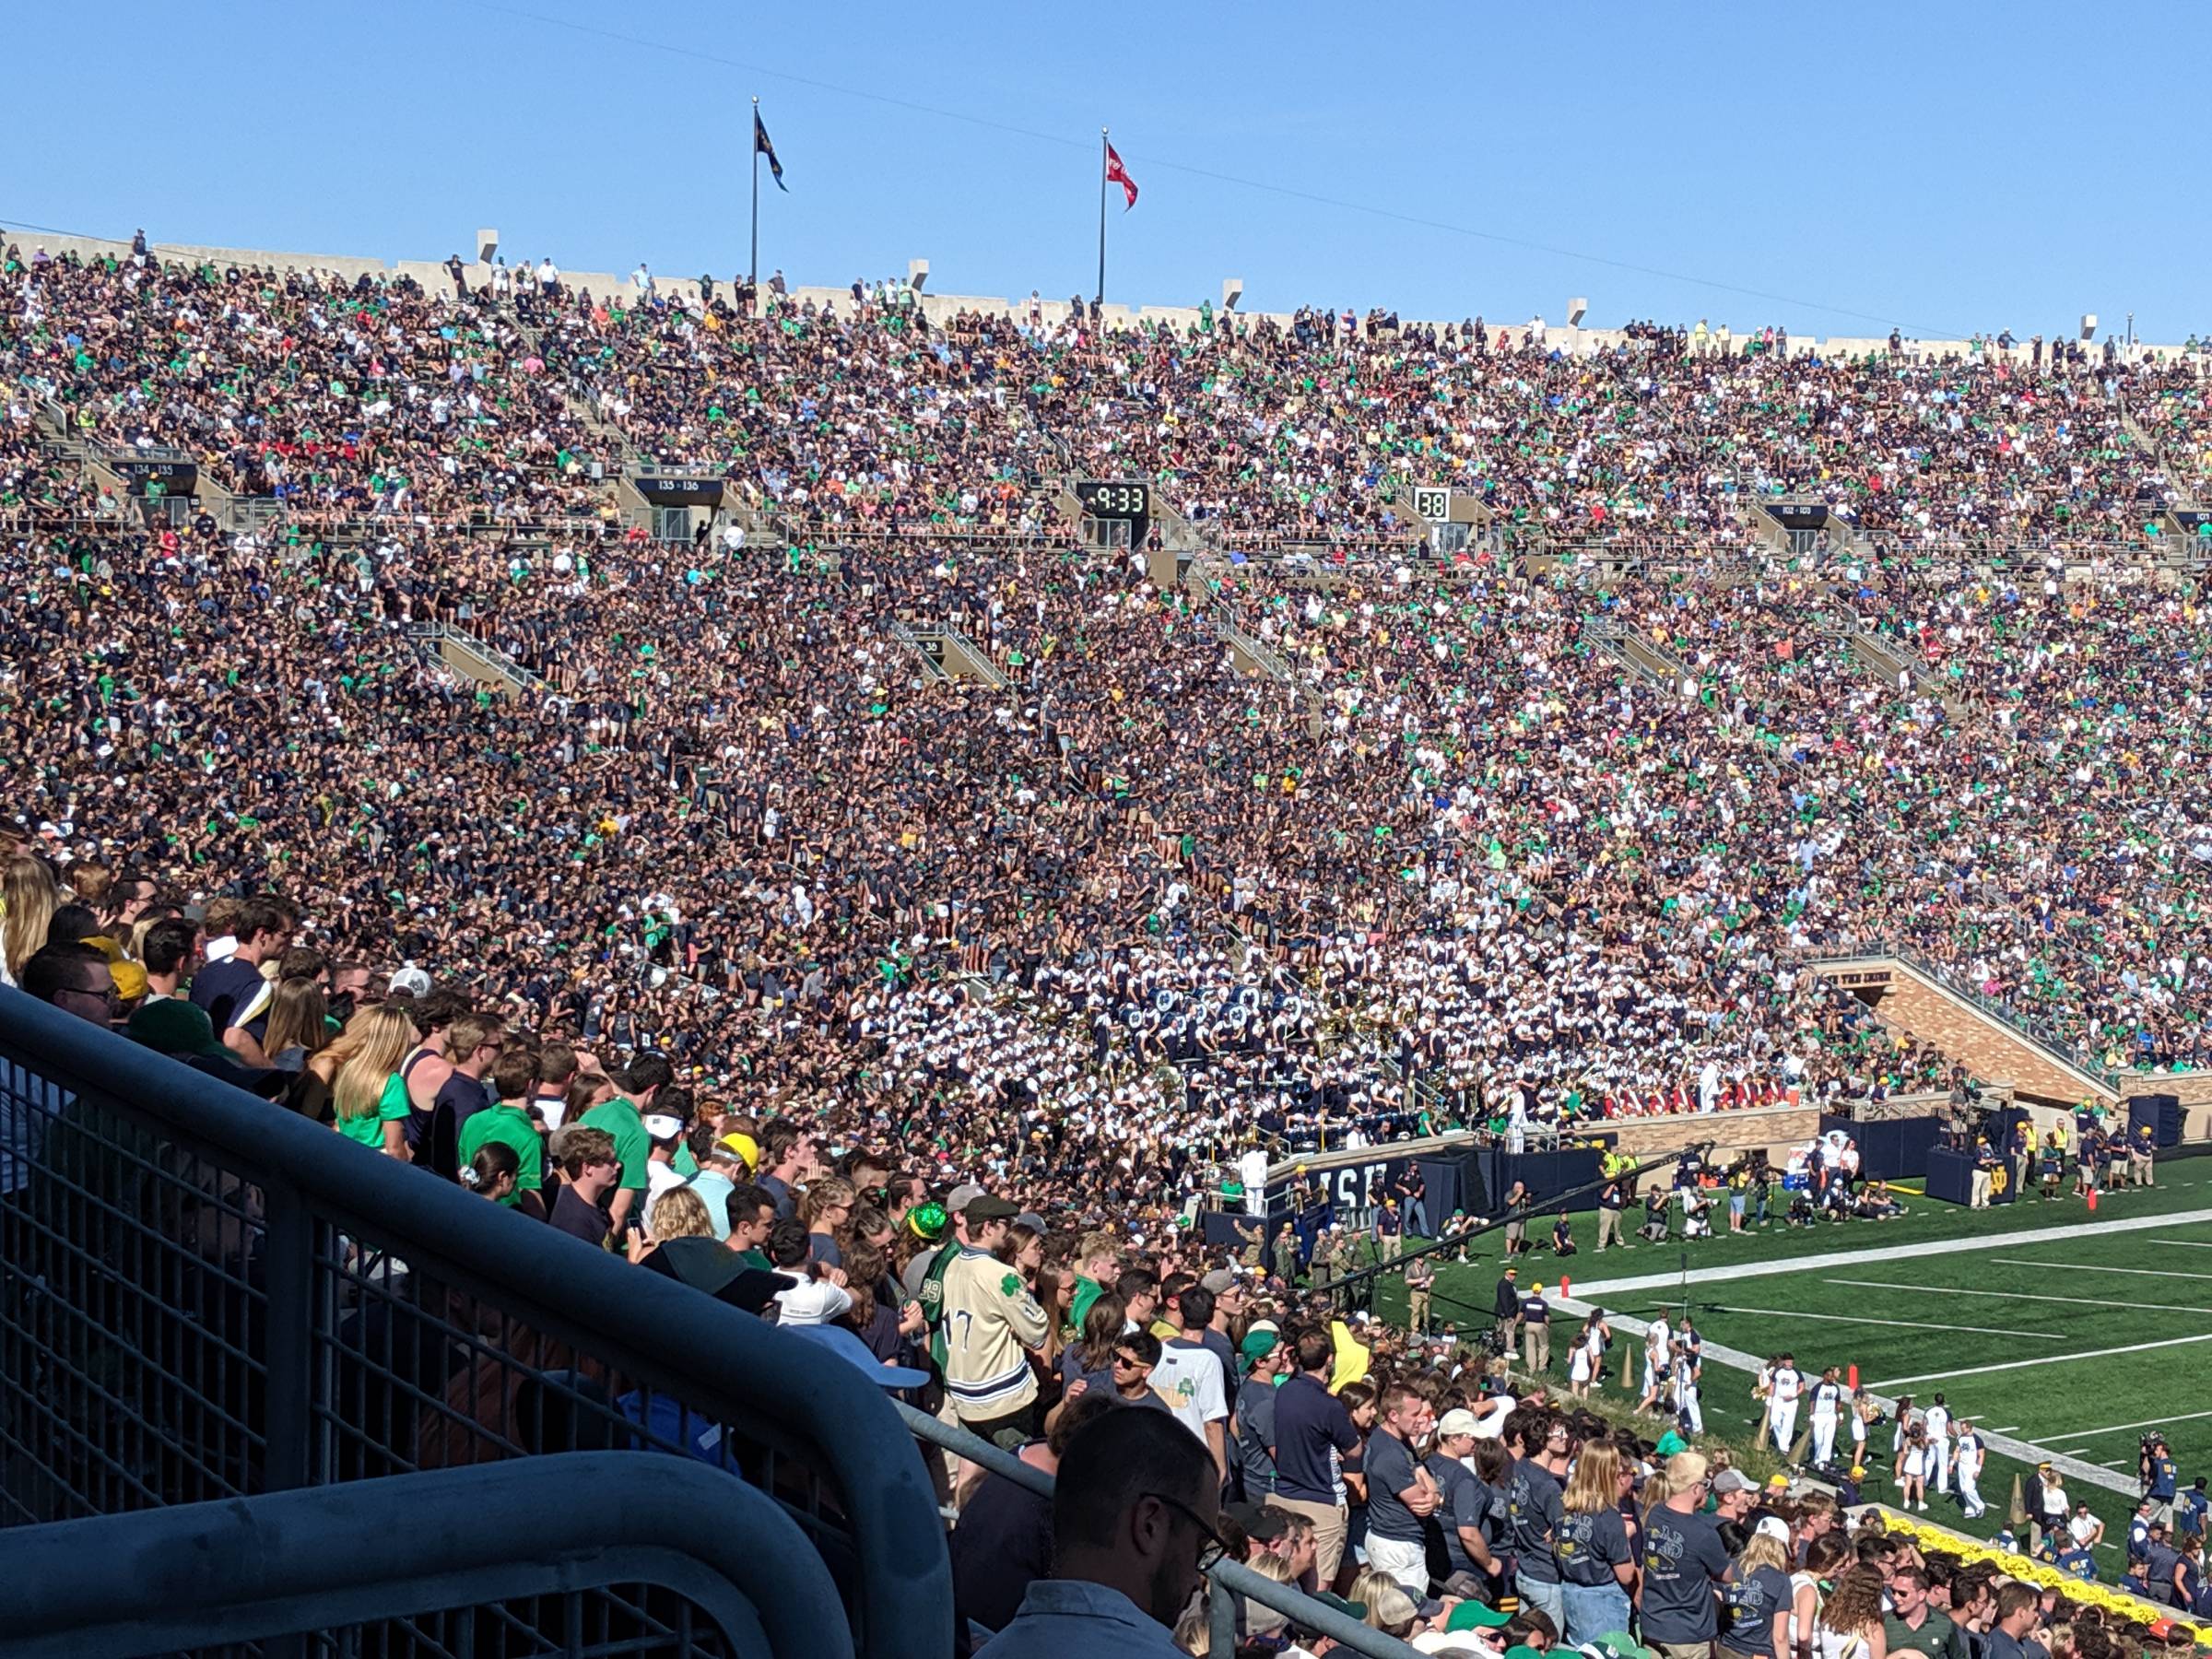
column 732, row 929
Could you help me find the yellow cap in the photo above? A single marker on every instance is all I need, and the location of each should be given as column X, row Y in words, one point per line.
column 745, row 1147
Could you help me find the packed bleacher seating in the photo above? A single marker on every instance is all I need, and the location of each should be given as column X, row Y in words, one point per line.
column 1139, row 896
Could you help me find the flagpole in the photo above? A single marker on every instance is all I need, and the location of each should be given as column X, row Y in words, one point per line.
column 752, row 269
column 1101, row 298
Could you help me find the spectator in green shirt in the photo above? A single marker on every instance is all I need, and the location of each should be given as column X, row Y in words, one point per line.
column 624, row 1118
column 507, row 1122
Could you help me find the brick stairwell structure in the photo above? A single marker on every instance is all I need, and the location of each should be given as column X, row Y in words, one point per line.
column 1914, row 999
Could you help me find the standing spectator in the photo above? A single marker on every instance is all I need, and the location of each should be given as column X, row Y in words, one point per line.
column 367, row 1094
column 1003, row 1542
column 1460, row 1529
column 622, row 1115
column 992, row 1324
column 1401, row 1493
column 590, row 1169
column 514, row 1075
column 1532, row 1514
column 1597, row 1570
column 1312, row 1430
column 1267, row 1356
column 2018, row 1611
column 1683, row 1565
column 234, row 992
column 1134, row 1512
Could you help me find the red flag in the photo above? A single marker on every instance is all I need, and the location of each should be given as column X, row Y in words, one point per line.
column 1118, row 174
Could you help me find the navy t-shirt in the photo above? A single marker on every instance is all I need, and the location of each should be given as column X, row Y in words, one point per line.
column 1309, row 1422
column 1589, row 1546
column 1469, row 1505
column 1256, row 1433
column 1389, row 1467
column 240, row 987
column 1682, row 1561
column 1532, row 1516
column 1752, row 1605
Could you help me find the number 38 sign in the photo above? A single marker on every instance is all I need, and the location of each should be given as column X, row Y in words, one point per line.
column 1432, row 503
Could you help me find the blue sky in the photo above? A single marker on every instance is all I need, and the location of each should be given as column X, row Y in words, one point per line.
column 1942, row 167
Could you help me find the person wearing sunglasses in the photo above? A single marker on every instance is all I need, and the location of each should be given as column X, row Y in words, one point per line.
column 74, row 977
column 1134, row 1510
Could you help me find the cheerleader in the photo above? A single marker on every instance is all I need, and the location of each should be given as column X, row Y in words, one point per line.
column 1913, row 1460
column 1588, row 1359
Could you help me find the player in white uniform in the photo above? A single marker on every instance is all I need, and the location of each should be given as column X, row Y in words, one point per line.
column 1781, row 1404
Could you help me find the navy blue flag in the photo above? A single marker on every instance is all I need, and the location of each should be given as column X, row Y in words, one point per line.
column 761, row 147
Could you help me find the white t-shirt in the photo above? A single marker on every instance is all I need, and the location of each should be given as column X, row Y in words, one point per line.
column 1189, row 1379
column 1786, row 1383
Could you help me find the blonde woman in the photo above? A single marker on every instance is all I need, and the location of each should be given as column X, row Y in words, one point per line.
column 298, row 1029
column 1597, row 1569
column 1761, row 1599
column 367, row 1094
column 679, row 1213
column 31, row 898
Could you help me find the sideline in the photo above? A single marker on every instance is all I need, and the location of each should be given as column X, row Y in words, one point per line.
column 1600, row 1288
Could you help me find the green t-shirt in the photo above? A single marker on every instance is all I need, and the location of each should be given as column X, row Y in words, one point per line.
column 510, row 1126
column 620, row 1118
column 390, row 1107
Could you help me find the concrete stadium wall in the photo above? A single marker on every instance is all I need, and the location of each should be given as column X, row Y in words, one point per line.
column 430, row 273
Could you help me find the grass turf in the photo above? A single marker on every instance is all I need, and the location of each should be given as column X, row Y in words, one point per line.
column 2050, row 1342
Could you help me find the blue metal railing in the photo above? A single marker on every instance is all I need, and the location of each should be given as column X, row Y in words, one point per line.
column 571, row 1554
column 205, row 1296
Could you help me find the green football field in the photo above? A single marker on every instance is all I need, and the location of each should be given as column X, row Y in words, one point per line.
column 2069, row 1333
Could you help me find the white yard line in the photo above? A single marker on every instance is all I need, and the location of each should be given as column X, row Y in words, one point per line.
column 2158, row 1422
column 2184, row 1243
column 1909, row 1324
column 2078, row 1302
column 1597, row 1289
column 2085, row 1267
column 1982, row 1370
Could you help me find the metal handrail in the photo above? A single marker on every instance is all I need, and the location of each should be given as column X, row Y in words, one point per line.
column 316, row 1190
column 408, row 1547
column 1226, row 1580
column 476, row 645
